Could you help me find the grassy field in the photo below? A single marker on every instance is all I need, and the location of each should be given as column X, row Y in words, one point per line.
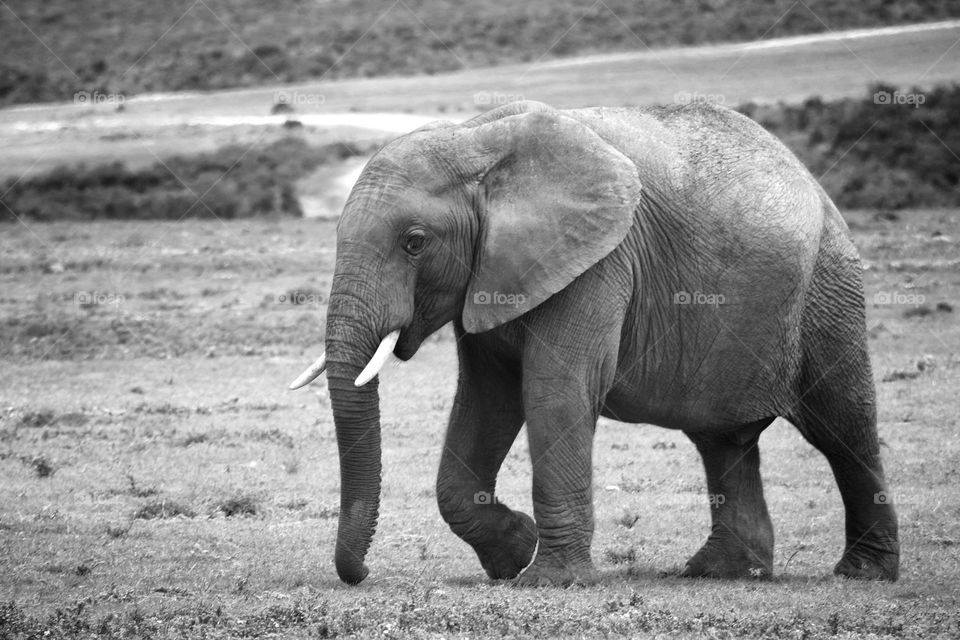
column 157, row 479
column 51, row 50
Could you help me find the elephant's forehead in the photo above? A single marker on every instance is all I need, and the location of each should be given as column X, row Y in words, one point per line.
column 416, row 159
column 394, row 186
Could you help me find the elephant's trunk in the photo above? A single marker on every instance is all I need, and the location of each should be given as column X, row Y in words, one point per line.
column 356, row 413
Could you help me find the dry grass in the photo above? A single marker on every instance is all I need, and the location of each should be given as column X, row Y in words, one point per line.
column 181, row 419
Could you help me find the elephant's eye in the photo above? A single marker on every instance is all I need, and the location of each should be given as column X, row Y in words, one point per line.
column 414, row 242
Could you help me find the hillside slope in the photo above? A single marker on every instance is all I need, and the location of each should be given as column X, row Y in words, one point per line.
column 50, row 51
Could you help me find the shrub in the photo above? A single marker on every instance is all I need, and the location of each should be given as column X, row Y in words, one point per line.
column 871, row 153
column 239, row 505
column 232, row 182
column 163, row 509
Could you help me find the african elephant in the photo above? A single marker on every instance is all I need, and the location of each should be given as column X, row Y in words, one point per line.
column 676, row 266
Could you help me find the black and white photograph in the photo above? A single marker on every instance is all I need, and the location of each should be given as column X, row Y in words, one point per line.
column 496, row 319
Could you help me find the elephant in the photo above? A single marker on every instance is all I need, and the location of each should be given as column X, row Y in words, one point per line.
column 672, row 265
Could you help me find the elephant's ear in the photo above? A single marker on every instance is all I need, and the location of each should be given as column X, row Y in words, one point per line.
column 555, row 201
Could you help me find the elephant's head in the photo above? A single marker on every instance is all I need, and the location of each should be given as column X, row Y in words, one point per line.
column 475, row 223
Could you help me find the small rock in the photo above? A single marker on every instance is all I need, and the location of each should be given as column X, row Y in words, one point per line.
column 926, row 363
column 875, row 331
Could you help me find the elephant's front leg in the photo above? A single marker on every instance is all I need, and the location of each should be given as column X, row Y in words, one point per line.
column 561, row 419
column 486, row 417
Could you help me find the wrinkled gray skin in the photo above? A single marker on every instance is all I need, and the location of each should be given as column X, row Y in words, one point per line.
column 560, row 244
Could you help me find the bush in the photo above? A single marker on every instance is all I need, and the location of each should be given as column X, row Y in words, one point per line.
column 874, row 152
column 232, row 182
column 161, row 509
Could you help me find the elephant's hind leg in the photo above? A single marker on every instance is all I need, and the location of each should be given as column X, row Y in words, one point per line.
column 836, row 413
column 486, row 417
column 741, row 535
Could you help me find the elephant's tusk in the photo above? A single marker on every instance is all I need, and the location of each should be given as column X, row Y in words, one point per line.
column 311, row 373
column 379, row 358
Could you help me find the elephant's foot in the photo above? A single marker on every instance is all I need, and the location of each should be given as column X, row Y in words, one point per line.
column 545, row 572
column 729, row 557
column 504, row 554
column 866, row 563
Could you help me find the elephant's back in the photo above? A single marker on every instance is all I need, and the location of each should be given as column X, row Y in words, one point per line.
column 730, row 189
column 730, row 225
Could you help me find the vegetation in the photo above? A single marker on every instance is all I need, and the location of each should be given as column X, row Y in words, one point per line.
column 234, row 182
column 891, row 149
column 119, row 47
column 867, row 152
